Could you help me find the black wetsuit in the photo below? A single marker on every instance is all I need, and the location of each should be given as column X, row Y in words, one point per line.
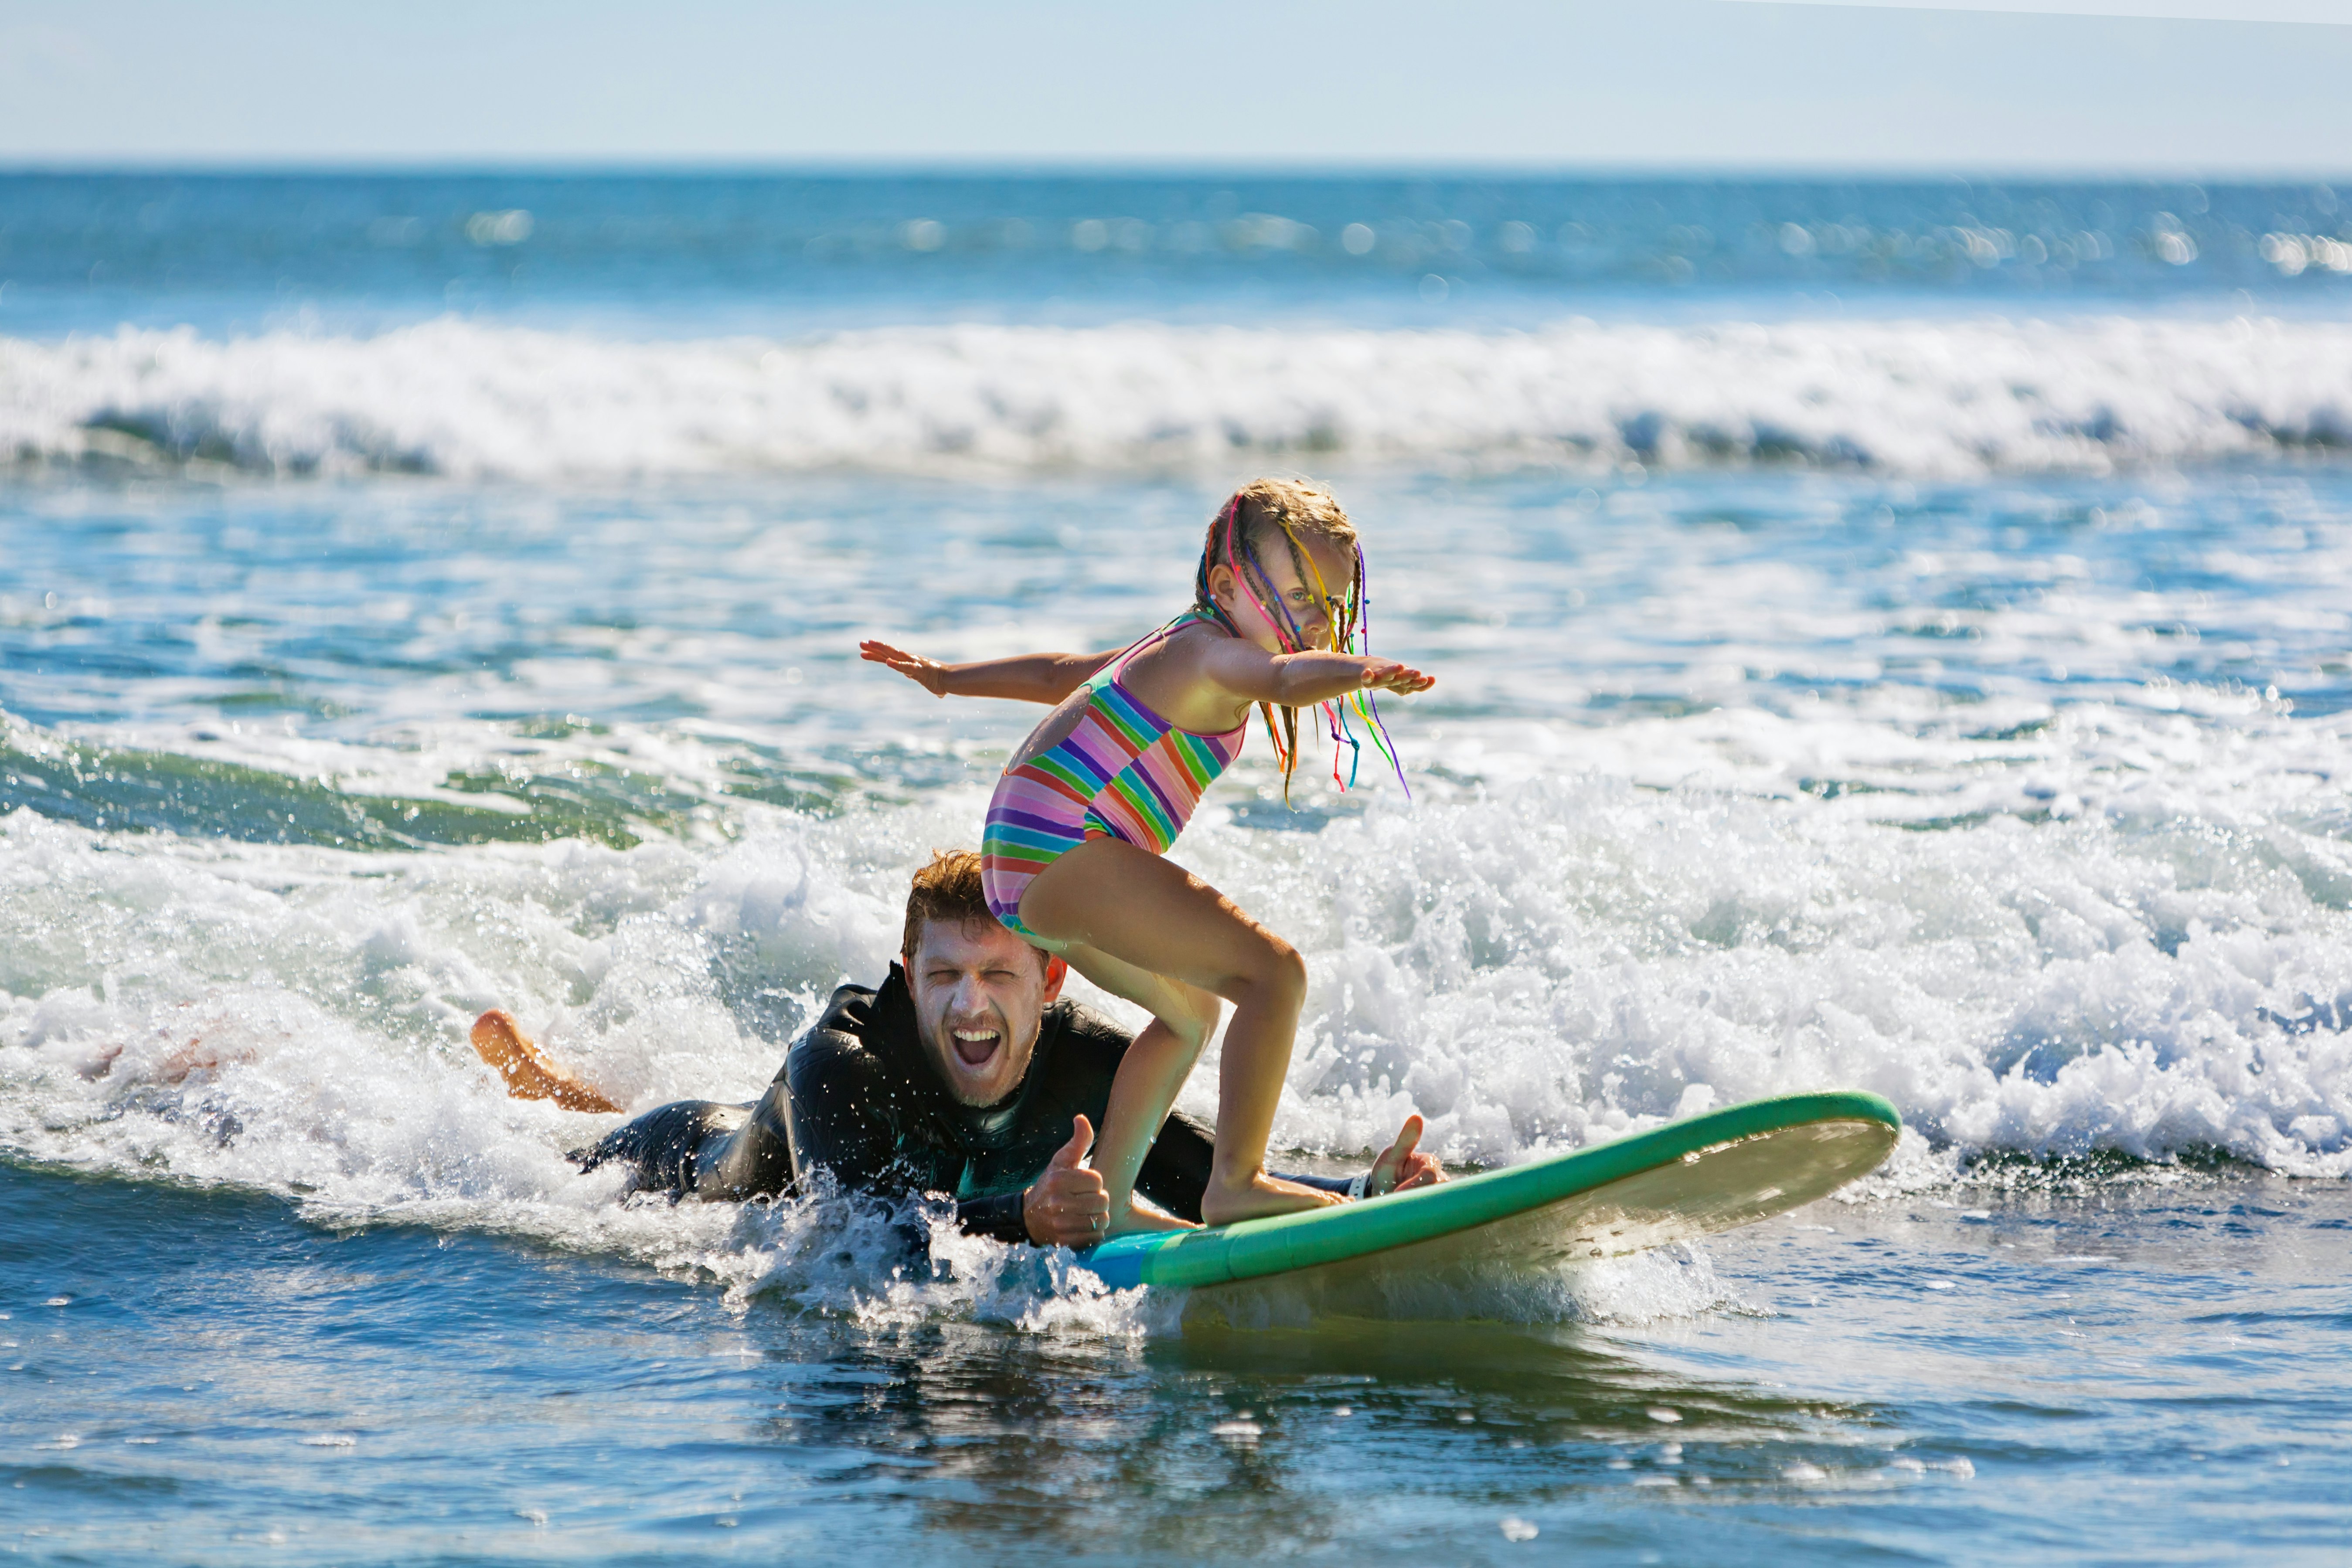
column 859, row 1098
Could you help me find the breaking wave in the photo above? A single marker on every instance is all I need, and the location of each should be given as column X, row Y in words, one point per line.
column 1534, row 966
column 459, row 398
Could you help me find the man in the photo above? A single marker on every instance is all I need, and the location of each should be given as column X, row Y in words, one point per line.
column 963, row 1073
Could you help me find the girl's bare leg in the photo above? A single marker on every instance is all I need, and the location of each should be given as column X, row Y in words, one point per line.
column 1154, row 1068
column 1160, row 923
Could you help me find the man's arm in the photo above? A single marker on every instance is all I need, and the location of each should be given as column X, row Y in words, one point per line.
column 1069, row 1205
column 838, row 1113
column 1044, row 678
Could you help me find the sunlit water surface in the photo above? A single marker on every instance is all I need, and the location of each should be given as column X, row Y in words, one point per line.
column 2147, row 1375
column 1874, row 651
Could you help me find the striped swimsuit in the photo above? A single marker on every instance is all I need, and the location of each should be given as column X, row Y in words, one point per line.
column 1123, row 773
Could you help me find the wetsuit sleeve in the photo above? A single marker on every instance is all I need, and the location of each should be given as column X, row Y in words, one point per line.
column 838, row 1113
column 998, row 1216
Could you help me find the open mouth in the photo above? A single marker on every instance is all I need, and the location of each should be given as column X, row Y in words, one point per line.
column 974, row 1047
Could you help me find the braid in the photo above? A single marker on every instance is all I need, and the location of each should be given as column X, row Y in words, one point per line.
column 1253, row 513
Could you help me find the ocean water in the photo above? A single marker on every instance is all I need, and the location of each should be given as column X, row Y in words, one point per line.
column 1894, row 635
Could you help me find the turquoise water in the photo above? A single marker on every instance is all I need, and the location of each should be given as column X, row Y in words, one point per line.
column 2136, row 1375
column 1875, row 652
column 700, row 255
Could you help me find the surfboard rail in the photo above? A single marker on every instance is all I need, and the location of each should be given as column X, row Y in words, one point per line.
column 1863, row 1127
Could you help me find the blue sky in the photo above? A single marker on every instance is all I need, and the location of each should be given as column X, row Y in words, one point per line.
column 1679, row 83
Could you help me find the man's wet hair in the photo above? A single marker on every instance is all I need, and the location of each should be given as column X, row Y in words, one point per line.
column 949, row 889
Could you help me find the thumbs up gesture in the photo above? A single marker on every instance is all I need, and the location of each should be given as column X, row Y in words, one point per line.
column 1401, row 1166
column 1069, row 1205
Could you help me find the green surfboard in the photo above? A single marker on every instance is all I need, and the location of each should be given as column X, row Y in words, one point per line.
column 1689, row 1178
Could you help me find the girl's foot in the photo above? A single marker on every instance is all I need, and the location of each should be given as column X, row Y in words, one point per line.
column 1258, row 1197
column 1138, row 1218
column 529, row 1074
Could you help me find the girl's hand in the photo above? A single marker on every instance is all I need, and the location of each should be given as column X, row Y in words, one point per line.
column 1390, row 675
column 928, row 673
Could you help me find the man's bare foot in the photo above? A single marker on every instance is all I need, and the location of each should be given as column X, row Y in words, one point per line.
column 1258, row 1197
column 196, row 1057
column 528, row 1072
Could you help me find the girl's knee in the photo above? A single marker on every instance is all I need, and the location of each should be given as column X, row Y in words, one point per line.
column 1277, row 972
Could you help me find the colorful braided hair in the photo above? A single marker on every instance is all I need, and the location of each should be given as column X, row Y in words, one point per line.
column 1260, row 508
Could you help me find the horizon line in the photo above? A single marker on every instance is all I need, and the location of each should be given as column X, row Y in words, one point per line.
column 593, row 166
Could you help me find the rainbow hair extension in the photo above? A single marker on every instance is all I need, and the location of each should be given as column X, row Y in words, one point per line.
column 1286, row 756
column 1351, row 633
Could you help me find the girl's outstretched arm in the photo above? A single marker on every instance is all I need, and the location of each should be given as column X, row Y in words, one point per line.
column 1302, row 679
column 1044, row 678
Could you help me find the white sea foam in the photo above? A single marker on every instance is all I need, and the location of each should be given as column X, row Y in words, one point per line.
column 455, row 397
column 1534, row 964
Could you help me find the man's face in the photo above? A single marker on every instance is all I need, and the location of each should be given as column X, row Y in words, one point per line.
column 980, row 992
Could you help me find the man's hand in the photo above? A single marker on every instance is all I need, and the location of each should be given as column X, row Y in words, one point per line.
column 1401, row 1166
column 1069, row 1206
column 928, row 673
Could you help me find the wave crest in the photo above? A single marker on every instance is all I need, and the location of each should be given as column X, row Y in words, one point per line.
column 465, row 399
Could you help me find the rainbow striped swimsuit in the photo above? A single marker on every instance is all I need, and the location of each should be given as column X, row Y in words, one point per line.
column 1122, row 772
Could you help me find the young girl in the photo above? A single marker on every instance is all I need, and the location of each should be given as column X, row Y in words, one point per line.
column 1081, row 817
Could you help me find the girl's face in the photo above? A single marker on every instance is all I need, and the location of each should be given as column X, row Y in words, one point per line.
column 1310, row 604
